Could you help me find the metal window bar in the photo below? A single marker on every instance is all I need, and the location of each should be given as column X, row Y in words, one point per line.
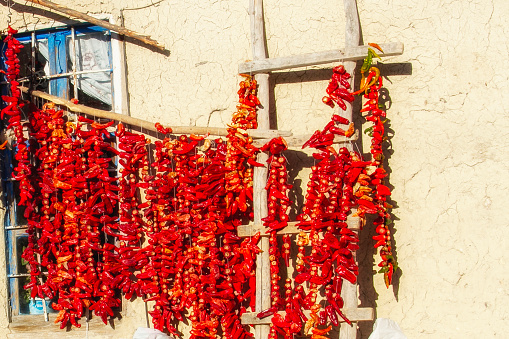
column 63, row 75
column 13, row 228
column 74, row 76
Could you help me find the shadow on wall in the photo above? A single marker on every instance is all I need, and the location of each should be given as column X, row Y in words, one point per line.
column 367, row 255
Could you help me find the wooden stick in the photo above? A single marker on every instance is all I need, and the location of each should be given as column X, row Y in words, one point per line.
column 260, row 174
column 354, row 223
column 353, row 314
column 351, row 53
column 115, row 28
column 352, row 39
column 150, row 126
column 298, row 140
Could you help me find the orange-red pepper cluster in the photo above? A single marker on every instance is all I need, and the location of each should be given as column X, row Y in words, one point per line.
column 192, row 241
column 71, row 215
column 241, row 154
column 179, row 248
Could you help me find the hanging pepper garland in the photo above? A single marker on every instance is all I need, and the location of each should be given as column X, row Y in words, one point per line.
column 13, row 107
column 338, row 183
column 327, row 204
column 371, row 190
column 96, row 238
column 277, row 189
column 179, row 247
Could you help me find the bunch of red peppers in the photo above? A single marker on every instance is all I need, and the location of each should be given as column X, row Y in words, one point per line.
column 73, row 210
column 93, row 239
column 339, row 182
column 328, row 202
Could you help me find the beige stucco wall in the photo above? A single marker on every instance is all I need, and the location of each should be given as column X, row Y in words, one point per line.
column 448, row 116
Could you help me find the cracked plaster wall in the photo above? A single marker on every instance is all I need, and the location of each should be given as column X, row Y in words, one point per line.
column 448, row 118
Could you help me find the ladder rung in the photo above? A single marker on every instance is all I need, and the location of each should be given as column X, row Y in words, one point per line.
column 353, row 314
column 317, row 58
column 299, row 140
column 354, row 223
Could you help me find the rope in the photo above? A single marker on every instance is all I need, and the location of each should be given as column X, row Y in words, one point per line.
column 9, row 14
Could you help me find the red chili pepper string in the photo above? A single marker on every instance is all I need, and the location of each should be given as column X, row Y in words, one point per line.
column 241, row 154
column 134, row 166
column 155, row 286
column 373, row 193
column 23, row 169
column 328, row 202
column 100, row 207
column 277, row 219
column 35, row 222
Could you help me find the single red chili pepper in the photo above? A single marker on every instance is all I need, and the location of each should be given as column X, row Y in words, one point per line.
column 343, row 80
column 322, row 316
column 279, row 321
column 340, row 119
column 340, row 69
column 336, row 307
column 346, row 274
column 268, row 312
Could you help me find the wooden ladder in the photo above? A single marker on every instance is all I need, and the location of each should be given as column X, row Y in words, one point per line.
column 261, row 66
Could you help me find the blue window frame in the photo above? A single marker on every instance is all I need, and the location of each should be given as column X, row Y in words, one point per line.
column 69, row 62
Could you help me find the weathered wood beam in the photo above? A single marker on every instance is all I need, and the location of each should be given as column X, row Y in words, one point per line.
column 309, row 59
column 260, row 174
column 354, row 223
column 298, row 140
column 352, row 40
column 150, row 126
column 353, row 314
column 115, row 28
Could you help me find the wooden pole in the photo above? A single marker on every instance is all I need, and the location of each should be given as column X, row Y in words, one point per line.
column 260, row 208
column 352, row 39
column 147, row 125
column 317, row 58
column 115, row 28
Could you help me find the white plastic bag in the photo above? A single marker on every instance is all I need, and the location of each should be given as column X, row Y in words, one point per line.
column 149, row 333
column 386, row 329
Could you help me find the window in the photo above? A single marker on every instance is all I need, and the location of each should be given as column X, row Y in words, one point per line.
column 71, row 62
column 81, row 62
